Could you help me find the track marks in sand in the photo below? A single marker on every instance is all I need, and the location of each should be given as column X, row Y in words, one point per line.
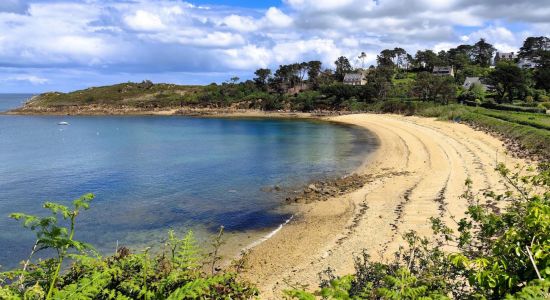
column 434, row 158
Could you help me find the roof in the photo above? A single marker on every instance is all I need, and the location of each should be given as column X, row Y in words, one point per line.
column 445, row 69
column 353, row 77
column 469, row 81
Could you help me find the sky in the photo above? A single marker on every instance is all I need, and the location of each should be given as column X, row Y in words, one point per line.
column 61, row 45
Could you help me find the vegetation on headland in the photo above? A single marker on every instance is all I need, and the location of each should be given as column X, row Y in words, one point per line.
column 492, row 253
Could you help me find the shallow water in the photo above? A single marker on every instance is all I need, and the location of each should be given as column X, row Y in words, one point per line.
column 150, row 174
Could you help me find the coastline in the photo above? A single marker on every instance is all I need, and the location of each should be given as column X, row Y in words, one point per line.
column 423, row 177
column 101, row 110
column 417, row 172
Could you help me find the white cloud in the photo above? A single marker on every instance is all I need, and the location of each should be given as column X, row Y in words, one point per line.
column 162, row 36
column 30, row 78
column 240, row 23
column 144, row 21
column 277, row 18
column 247, row 57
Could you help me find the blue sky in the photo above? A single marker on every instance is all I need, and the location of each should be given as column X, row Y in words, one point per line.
column 63, row 45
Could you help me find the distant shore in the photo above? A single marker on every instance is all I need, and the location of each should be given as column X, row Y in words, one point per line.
column 417, row 172
column 100, row 110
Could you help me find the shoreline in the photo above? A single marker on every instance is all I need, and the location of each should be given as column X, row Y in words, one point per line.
column 423, row 177
column 235, row 248
column 98, row 110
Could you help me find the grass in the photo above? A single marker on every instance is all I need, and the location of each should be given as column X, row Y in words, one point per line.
column 409, row 79
column 531, row 131
column 129, row 94
column 534, row 120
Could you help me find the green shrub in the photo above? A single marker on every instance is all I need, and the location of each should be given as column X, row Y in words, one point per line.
column 175, row 273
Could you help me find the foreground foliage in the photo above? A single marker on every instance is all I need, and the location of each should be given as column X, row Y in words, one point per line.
column 176, row 273
column 496, row 254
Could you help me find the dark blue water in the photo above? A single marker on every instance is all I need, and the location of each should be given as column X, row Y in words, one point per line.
column 150, row 174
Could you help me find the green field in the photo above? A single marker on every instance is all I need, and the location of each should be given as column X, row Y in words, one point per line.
column 541, row 121
column 530, row 130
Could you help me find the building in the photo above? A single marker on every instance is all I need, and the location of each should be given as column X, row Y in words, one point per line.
column 505, row 56
column 444, row 71
column 357, row 78
column 470, row 81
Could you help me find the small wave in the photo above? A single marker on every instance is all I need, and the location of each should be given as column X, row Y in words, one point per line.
column 267, row 236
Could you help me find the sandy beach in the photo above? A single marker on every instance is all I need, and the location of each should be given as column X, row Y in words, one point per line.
column 419, row 171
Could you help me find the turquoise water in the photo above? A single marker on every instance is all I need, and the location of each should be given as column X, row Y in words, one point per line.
column 150, row 174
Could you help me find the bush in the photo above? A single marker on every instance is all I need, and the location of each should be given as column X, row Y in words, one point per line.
column 176, row 273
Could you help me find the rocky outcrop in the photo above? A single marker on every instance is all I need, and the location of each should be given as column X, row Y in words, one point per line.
column 326, row 189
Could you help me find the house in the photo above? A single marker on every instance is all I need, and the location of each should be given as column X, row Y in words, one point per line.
column 357, row 78
column 444, row 71
column 526, row 63
column 505, row 56
column 470, row 81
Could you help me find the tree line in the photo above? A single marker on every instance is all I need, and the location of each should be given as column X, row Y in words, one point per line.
column 398, row 75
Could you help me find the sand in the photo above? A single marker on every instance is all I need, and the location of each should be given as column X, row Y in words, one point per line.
column 435, row 157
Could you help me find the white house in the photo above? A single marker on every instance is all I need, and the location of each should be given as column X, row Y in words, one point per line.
column 357, row 78
column 444, row 71
column 511, row 56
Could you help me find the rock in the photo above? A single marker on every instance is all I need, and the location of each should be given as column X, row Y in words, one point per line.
column 312, row 187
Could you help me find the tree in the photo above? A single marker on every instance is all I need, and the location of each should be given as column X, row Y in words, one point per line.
column 461, row 56
column 301, row 70
column 281, row 79
column 533, row 46
column 483, row 53
column 342, row 67
column 508, row 80
column 385, row 58
column 426, row 60
column 542, row 73
column 379, row 80
column 429, row 87
column 234, row 79
column 443, row 57
column 325, row 77
column 313, row 72
column 262, row 77
column 362, row 57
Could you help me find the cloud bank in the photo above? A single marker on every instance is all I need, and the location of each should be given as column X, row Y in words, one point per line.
column 65, row 45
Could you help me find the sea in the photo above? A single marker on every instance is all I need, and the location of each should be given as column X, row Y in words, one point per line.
column 150, row 174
